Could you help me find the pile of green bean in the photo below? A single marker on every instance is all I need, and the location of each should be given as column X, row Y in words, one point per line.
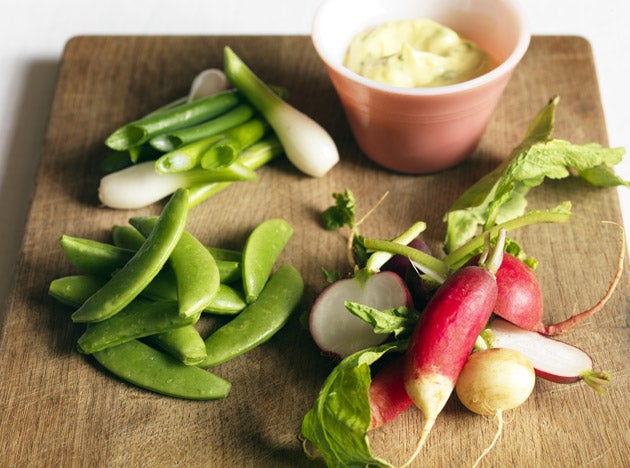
column 142, row 296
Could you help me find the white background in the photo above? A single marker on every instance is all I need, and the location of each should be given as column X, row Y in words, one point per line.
column 33, row 34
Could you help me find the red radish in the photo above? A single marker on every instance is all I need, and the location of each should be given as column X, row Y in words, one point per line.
column 493, row 381
column 340, row 333
column 520, row 299
column 446, row 334
column 387, row 394
column 552, row 359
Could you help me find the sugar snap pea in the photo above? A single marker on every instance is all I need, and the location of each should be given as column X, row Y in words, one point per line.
column 184, row 343
column 73, row 290
column 94, row 257
column 195, row 270
column 227, row 260
column 163, row 287
column 262, row 249
column 127, row 237
column 148, row 368
column 259, row 321
column 138, row 272
column 138, row 319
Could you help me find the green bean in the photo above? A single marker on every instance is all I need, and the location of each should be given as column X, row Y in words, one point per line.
column 196, row 272
column 259, row 321
column 138, row 272
column 148, row 368
column 253, row 157
column 73, row 290
column 173, row 140
column 234, row 141
column 183, row 343
column 262, row 249
column 138, row 319
column 191, row 113
column 94, row 257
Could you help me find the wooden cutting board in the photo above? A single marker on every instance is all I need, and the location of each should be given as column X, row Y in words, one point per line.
column 59, row 409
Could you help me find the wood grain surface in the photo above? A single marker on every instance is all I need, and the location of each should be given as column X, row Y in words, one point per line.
column 57, row 408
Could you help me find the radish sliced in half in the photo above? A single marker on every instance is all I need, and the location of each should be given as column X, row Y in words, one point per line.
column 336, row 330
column 552, row 359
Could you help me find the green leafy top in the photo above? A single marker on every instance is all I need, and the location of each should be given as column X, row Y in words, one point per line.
column 500, row 195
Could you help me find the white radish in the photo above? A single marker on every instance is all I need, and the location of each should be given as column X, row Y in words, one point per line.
column 493, row 381
column 552, row 359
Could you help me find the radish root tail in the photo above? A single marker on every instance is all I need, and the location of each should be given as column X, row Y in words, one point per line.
column 499, row 417
column 561, row 327
column 426, row 429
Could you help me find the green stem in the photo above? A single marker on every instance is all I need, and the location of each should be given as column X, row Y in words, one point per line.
column 191, row 113
column 234, row 141
column 378, row 259
column 460, row 255
column 252, row 158
column 432, row 266
column 173, row 140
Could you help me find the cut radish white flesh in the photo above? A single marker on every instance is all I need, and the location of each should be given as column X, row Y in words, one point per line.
column 336, row 330
column 552, row 359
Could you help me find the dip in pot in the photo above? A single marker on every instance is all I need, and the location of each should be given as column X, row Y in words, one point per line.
column 415, row 53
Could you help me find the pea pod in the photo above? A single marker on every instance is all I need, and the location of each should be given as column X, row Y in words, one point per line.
column 94, row 257
column 195, row 270
column 227, row 261
column 75, row 289
column 127, row 237
column 138, row 319
column 138, row 272
column 184, row 343
column 259, row 321
column 148, row 368
column 262, row 249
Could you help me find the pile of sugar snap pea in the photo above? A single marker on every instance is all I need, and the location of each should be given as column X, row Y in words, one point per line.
column 142, row 295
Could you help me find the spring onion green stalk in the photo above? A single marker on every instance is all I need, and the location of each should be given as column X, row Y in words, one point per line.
column 173, row 140
column 235, row 140
column 187, row 157
column 140, row 185
column 307, row 145
column 190, row 113
column 252, row 158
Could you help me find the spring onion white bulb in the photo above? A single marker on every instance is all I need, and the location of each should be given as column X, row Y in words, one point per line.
column 140, row 185
column 207, row 83
column 306, row 144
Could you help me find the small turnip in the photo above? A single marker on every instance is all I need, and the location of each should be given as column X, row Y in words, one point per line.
column 493, row 381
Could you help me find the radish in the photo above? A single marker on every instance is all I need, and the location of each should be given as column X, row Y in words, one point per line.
column 552, row 359
column 405, row 268
column 387, row 395
column 446, row 334
column 493, row 381
column 339, row 333
column 520, row 299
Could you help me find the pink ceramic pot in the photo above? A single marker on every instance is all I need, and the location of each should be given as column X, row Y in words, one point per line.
column 420, row 130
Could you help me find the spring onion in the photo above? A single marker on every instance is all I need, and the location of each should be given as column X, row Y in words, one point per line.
column 233, row 143
column 178, row 138
column 307, row 145
column 140, row 185
column 207, row 83
column 252, row 157
column 191, row 113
